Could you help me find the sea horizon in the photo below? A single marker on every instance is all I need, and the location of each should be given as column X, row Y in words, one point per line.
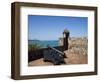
column 44, row 43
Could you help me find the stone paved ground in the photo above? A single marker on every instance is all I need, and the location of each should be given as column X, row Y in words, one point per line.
column 70, row 60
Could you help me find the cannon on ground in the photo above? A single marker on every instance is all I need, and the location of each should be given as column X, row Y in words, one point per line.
column 53, row 55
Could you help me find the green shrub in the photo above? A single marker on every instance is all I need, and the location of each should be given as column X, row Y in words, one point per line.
column 32, row 47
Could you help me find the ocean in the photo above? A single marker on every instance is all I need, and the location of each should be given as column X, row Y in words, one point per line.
column 44, row 43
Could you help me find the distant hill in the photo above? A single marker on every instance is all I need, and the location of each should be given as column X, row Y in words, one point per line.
column 35, row 40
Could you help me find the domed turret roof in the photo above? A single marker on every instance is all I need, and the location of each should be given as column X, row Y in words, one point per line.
column 66, row 31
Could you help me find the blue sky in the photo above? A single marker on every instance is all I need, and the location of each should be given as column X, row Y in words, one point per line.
column 52, row 27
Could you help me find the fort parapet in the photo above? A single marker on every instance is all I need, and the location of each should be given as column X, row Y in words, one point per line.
column 36, row 54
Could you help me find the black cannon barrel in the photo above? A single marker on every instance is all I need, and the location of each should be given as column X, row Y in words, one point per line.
column 56, row 50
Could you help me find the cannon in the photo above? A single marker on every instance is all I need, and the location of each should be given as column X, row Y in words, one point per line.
column 53, row 55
